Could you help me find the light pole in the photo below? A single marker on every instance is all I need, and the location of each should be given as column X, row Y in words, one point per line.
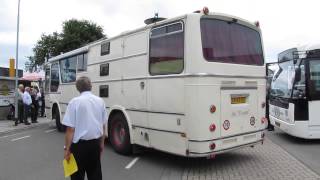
column 17, row 56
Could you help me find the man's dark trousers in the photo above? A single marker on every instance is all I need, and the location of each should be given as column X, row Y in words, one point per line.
column 26, row 110
column 20, row 111
column 87, row 155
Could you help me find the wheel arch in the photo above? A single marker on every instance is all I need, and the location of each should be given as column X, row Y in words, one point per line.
column 120, row 109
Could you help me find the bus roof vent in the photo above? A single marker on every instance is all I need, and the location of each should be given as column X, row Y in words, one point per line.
column 154, row 19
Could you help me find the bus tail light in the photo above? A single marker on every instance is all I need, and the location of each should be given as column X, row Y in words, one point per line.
column 213, row 108
column 212, row 127
column 263, row 105
column 263, row 120
column 212, row 146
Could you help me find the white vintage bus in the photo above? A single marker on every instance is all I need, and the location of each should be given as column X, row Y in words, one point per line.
column 193, row 85
column 295, row 92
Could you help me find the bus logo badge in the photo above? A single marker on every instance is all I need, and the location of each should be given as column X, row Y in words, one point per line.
column 252, row 121
column 226, row 124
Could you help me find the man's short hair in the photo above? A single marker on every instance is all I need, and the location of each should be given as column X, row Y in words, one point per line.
column 21, row 86
column 83, row 83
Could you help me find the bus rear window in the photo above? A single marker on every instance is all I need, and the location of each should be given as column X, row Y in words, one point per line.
column 230, row 42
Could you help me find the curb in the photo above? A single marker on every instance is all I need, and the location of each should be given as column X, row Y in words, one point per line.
column 25, row 128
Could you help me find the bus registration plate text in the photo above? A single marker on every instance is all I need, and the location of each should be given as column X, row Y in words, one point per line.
column 238, row 100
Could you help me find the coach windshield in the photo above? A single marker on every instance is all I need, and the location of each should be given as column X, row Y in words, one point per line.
column 230, row 42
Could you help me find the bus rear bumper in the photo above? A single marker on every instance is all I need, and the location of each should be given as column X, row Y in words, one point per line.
column 222, row 145
column 300, row 129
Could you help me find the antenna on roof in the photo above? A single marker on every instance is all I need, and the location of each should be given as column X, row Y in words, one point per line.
column 155, row 19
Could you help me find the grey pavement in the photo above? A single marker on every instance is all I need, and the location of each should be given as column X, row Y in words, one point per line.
column 307, row 151
column 7, row 126
column 36, row 154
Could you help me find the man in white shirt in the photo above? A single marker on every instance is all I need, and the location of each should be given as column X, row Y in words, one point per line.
column 85, row 119
column 27, row 101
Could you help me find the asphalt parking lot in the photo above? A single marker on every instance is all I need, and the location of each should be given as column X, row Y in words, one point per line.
column 37, row 154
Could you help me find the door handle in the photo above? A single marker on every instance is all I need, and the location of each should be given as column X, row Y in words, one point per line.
column 142, row 85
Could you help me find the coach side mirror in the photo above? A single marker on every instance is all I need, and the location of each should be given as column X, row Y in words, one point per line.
column 297, row 76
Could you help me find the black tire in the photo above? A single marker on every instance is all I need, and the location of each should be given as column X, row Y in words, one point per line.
column 119, row 134
column 60, row 127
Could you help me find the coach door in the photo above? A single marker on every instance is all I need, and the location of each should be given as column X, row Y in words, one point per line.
column 314, row 92
column 134, row 85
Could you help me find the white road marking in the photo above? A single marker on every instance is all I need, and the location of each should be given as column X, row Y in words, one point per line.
column 16, row 139
column 10, row 135
column 50, row 130
column 132, row 163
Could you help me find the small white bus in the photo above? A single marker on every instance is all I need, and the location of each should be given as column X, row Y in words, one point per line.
column 194, row 85
column 295, row 92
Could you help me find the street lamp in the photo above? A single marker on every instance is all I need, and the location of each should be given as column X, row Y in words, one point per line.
column 17, row 56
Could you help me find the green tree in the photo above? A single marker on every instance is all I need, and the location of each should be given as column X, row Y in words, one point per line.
column 75, row 34
column 79, row 33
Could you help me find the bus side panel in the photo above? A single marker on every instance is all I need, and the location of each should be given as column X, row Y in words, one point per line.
column 166, row 114
column 134, row 91
column 201, row 94
column 116, row 51
column 168, row 142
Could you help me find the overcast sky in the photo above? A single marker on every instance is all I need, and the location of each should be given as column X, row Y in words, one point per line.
column 284, row 23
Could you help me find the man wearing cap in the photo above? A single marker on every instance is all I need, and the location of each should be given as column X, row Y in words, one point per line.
column 85, row 119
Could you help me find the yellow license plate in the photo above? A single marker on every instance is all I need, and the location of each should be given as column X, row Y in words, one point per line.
column 238, row 100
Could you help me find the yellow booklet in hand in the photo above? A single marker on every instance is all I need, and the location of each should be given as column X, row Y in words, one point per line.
column 70, row 167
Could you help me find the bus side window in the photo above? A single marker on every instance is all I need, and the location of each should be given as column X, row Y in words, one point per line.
column 54, row 85
column 68, row 68
column 105, row 48
column 104, row 91
column 166, row 50
column 104, row 69
column 82, row 62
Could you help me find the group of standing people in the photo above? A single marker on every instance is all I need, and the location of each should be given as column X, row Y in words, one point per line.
column 29, row 100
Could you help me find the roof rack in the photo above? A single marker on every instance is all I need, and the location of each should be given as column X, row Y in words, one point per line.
column 290, row 54
column 315, row 53
column 294, row 54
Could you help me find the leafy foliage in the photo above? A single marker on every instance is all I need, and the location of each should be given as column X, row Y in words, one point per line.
column 75, row 34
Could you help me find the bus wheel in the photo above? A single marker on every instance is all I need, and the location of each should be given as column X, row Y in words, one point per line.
column 60, row 127
column 119, row 134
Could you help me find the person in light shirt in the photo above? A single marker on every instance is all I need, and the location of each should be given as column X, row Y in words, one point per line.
column 27, row 101
column 85, row 119
column 19, row 95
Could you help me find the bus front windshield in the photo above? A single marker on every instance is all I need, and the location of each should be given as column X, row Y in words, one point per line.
column 230, row 42
column 282, row 81
column 284, row 84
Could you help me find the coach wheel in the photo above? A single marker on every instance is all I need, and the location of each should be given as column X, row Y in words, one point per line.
column 60, row 127
column 119, row 134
